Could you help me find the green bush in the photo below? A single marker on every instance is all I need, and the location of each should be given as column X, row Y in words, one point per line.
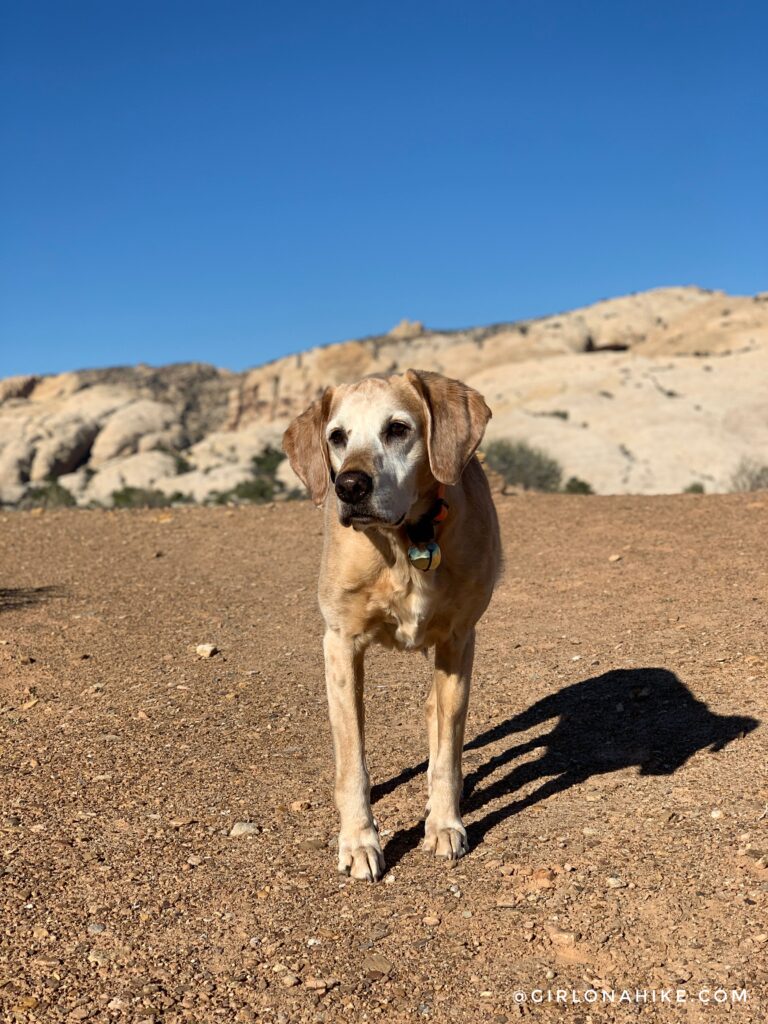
column 266, row 464
column 258, row 490
column 139, row 497
column 574, row 485
column 694, row 488
column 262, row 487
column 750, row 476
column 522, row 465
column 48, row 495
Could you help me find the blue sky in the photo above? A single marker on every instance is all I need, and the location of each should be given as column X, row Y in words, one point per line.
column 231, row 181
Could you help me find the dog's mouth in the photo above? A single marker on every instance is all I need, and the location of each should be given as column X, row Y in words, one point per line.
column 361, row 519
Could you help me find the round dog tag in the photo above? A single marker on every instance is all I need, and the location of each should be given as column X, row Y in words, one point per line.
column 427, row 557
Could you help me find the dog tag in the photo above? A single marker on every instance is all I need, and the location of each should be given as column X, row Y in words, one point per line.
column 426, row 558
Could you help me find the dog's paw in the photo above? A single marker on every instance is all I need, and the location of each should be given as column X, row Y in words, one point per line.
column 360, row 855
column 448, row 840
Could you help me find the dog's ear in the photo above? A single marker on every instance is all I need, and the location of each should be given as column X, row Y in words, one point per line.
column 305, row 445
column 455, row 417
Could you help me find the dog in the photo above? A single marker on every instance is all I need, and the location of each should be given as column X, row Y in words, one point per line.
column 410, row 558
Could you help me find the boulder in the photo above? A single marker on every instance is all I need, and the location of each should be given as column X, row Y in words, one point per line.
column 126, row 427
column 203, row 485
column 15, row 462
column 17, row 387
column 145, row 470
column 67, row 446
column 238, row 447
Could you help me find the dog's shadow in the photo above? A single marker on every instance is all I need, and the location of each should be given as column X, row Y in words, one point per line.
column 645, row 718
column 12, row 598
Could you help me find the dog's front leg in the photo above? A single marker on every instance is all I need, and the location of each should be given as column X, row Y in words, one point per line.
column 445, row 834
column 359, row 848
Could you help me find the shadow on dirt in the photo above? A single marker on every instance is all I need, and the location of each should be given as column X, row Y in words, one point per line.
column 644, row 718
column 22, row 597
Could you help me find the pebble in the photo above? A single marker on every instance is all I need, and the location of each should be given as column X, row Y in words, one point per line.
column 614, row 558
column 544, row 878
column 431, row 921
column 194, row 861
column 300, row 805
column 614, row 882
column 206, row 650
column 561, row 936
column 289, row 980
column 244, row 828
column 95, row 928
column 315, row 843
column 717, row 813
column 376, row 966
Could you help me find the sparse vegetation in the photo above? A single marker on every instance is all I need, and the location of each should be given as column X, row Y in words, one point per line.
column 522, row 465
column 575, row 485
column 263, row 487
column 694, row 488
column 258, row 490
column 750, row 476
column 139, row 497
column 266, row 464
column 48, row 495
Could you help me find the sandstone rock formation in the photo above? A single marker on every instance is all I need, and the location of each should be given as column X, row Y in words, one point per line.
column 647, row 393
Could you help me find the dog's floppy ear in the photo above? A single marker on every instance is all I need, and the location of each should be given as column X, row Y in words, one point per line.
column 305, row 445
column 455, row 416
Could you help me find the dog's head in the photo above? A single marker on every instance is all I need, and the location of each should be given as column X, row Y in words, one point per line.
column 382, row 441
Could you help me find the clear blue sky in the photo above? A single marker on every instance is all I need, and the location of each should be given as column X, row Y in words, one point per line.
column 230, row 181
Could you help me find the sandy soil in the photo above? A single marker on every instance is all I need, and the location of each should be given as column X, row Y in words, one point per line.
column 616, row 791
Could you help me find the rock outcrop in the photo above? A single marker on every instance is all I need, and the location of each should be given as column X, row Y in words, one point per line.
column 646, row 393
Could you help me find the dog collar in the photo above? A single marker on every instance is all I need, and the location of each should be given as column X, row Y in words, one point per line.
column 424, row 551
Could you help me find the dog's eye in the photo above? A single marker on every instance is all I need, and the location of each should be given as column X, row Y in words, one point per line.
column 397, row 430
column 337, row 437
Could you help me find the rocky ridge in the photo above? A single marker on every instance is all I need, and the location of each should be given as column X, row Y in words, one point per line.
column 647, row 393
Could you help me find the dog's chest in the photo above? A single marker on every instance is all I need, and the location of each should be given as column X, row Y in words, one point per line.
column 408, row 611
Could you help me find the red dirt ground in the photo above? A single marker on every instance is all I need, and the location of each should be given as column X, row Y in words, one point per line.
column 616, row 792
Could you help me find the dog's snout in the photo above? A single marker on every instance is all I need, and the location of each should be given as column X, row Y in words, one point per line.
column 353, row 486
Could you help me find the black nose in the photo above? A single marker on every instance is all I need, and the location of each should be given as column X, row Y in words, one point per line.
column 353, row 485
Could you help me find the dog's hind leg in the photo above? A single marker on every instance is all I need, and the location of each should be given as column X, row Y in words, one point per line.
column 359, row 847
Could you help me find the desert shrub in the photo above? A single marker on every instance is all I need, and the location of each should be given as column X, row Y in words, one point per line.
column 266, row 464
column 522, row 465
column 750, row 476
column 139, row 497
column 48, row 495
column 694, row 488
column 258, row 490
column 575, row 485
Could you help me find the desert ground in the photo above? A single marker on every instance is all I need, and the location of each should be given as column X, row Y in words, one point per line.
column 616, row 792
